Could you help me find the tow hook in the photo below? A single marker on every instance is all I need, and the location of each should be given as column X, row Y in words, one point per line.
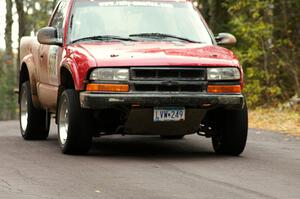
column 205, row 130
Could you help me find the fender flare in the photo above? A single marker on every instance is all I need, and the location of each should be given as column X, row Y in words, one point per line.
column 70, row 66
column 29, row 64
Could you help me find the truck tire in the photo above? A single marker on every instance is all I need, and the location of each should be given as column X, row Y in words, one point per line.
column 34, row 123
column 74, row 135
column 231, row 132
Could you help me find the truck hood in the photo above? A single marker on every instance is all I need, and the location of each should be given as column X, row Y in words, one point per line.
column 154, row 54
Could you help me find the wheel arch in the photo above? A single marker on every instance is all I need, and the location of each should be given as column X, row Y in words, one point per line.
column 27, row 73
column 24, row 75
column 66, row 81
column 66, row 78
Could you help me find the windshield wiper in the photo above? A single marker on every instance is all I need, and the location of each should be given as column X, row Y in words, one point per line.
column 104, row 38
column 162, row 36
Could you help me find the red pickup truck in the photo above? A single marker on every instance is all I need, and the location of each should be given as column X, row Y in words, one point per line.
column 131, row 67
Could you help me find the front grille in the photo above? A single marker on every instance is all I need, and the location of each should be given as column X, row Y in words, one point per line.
column 168, row 79
column 182, row 88
column 167, row 73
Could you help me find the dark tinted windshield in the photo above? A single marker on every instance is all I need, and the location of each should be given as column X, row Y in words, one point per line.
column 124, row 18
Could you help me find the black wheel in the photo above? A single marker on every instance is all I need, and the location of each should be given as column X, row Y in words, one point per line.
column 74, row 133
column 231, row 131
column 172, row 137
column 34, row 123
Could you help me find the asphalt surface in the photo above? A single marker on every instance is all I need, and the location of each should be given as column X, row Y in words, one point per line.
column 148, row 167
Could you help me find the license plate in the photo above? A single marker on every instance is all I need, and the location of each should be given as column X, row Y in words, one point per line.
column 168, row 114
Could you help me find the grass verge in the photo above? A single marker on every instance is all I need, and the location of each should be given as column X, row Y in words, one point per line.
column 280, row 120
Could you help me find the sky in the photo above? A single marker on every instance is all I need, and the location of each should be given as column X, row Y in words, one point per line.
column 2, row 26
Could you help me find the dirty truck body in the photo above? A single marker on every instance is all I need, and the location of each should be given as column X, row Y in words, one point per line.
column 131, row 68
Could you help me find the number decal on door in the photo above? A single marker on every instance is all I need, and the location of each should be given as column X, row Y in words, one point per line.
column 52, row 61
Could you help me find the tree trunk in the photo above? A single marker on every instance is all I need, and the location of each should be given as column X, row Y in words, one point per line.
column 297, row 83
column 214, row 11
column 8, row 35
column 215, row 14
column 22, row 24
column 7, row 109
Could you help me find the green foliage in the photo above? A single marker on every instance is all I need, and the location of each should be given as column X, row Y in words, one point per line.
column 8, row 101
column 38, row 13
column 215, row 13
column 33, row 15
column 256, row 89
column 268, row 34
column 251, row 23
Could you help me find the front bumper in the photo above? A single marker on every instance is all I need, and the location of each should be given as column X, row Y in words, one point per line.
column 92, row 100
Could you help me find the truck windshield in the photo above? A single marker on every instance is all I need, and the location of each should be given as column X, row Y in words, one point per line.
column 155, row 20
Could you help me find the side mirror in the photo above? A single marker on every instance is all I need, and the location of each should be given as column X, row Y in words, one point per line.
column 225, row 39
column 48, row 36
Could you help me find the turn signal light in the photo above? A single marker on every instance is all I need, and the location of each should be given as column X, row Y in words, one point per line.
column 224, row 89
column 108, row 87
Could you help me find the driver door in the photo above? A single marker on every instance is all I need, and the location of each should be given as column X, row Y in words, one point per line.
column 50, row 58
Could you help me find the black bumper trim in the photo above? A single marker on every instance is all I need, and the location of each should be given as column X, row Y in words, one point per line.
column 90, row 100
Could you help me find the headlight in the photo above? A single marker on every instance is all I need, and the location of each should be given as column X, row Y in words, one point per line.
column 109, row 74
column 223, row 74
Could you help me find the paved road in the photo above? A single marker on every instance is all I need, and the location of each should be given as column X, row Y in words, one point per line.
column 148, row 167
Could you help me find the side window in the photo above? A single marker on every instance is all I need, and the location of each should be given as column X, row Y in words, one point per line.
column 59, row 18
